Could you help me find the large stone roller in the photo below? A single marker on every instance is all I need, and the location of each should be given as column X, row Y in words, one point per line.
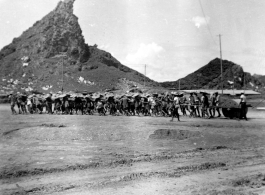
column 231, row 107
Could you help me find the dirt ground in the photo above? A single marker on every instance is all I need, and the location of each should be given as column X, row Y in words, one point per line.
column 80, row 155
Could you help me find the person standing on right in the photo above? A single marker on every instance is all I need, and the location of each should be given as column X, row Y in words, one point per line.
column 175, row 107
column 243, row 104
column 217, row 100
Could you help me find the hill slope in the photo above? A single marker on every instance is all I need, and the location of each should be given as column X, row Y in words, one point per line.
column 53, row 54
column 209, row 77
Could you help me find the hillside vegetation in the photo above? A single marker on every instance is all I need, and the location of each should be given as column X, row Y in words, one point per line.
column 209, row 77
column 52, row 55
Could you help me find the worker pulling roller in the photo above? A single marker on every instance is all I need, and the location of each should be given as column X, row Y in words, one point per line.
column 194, row 104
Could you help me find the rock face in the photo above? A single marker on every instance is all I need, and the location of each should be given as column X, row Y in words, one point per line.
column 53, row 54
column 57, row 32
column 209, row 77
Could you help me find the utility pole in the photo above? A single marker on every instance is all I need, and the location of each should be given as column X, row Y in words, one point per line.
column 244, row 85
column 221, row 63
column 179, row 84
column 144, row 73
column 62, row 74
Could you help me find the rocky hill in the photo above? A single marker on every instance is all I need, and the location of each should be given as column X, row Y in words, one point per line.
column 261, row 78
column 52, row 55
column 209, row 77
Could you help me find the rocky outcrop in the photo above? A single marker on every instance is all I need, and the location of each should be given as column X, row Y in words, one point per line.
column 209, row 77
column 53, row 53
column 57, row 32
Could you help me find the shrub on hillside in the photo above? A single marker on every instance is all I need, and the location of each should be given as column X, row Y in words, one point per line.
column 94, row 66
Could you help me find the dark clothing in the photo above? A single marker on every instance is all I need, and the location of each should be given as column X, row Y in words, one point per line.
column 243, row 110
column 13, row 100
column 212, row 101
column 49, row 104
column 124, row 103
column 205, row 102
column 49, row 99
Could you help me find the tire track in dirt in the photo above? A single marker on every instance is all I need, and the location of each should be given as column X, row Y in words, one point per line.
column 178, row 172
column 253, row 181
column 161, row 170
column 123, row 161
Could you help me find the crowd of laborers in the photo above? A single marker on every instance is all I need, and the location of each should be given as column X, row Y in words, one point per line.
column 164, row 104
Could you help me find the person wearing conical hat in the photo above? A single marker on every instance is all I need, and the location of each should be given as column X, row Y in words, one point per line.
column 125, row 105
column 29, row 105
column 117, row 103
column 131, row 105
column 217, row 101
column 23, row 103
column 175, row 107
column 89, row 105
column 243, row 104
column 191, row 106
column 49, row 103
column 19, row 101
column 100, row 107
column 212, row 105
column 149, row 105
column 182, row 102
column 164, row 106
column 205, row 105
column 57, row 105
column 137, row 105
column 36, row 104
column 142, row 104
column 13, row 100
column 197, row 104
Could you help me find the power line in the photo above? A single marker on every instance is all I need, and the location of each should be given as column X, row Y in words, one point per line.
column 207, row 22
column 144, row 73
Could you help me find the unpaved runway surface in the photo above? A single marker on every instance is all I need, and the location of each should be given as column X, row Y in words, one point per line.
column 58, row 154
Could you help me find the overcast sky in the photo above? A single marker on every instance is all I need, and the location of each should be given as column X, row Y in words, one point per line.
column 173, row 37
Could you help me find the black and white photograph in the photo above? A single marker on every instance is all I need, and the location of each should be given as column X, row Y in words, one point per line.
column 132, row 97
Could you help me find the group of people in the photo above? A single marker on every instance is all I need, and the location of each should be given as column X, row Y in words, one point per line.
column 164, row 104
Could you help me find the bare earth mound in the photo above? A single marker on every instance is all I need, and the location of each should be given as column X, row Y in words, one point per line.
column 174, row 134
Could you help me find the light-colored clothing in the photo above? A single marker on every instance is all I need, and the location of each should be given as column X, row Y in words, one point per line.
column 29, row 102
column 191, row 100
column 202, row 99
column 176, row 100
column 99, row 105
column 217, row 100
column 150, row 99
column 212, row 100
column 243, row 98
column 205, row 101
